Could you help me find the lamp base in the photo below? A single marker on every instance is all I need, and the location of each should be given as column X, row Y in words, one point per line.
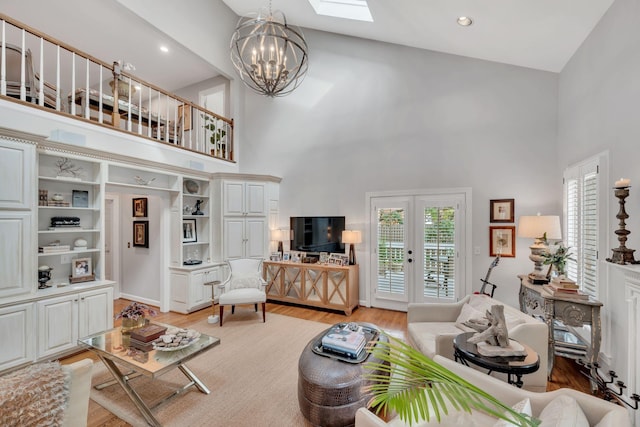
column 352, row 254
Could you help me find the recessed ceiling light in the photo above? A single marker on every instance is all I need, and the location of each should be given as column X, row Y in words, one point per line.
column 465, row 21
column 348, row 9
column 164, row 49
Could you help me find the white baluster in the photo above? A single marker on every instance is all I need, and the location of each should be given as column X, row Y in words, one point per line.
column 3, row 63
column 41, row 72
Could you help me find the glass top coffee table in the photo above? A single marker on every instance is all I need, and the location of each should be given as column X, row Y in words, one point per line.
column 111, row 347
column 514, row 366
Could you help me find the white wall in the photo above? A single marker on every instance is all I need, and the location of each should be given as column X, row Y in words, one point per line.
column 372, row 116
column 598, row 110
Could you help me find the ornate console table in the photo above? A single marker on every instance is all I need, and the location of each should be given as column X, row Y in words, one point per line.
column 562, row 315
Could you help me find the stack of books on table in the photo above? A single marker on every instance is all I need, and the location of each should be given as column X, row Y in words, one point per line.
column 142, row 338
column 344, row 341
column 565, row 288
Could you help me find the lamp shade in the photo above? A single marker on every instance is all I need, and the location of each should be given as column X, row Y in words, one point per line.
column 351, row 236
column 279, row 235
column 536, row 226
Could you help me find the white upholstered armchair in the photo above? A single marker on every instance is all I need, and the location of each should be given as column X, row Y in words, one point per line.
column 244, row 285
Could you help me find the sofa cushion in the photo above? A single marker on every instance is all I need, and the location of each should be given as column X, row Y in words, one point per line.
column 453, row 419
column 467, row 313
column 523, row 407
column 564, row 411
column 426, row 336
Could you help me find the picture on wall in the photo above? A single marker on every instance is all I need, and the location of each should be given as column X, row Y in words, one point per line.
column 141, row 234
column 502, row 241
column 139, row 207
column 502, row 210
column 189, row 233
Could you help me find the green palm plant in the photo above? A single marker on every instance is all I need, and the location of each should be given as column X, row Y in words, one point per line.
column 416, row 388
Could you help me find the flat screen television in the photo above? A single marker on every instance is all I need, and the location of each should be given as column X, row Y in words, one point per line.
column 314, row 234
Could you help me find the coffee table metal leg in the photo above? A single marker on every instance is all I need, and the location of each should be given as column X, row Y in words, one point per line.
column 196, row 381
column 123, row 381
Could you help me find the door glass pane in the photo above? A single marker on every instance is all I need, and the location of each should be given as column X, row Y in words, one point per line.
column 439, row 255
column 391, row 251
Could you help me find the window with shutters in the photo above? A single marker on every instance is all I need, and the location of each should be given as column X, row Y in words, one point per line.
column 582, row 216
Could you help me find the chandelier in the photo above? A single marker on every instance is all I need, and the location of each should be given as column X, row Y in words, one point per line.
column 269, row 55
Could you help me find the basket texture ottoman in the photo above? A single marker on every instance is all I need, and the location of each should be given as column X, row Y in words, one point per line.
column 330, row 390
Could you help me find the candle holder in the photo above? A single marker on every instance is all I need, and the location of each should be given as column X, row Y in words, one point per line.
column 622, row 255
column 608, row 393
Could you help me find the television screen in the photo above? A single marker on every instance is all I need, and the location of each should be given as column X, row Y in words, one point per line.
column 317, row 233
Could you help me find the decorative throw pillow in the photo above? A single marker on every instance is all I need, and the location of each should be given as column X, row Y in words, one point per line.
column 563, row 411
column 467, row 313
column 523, row 407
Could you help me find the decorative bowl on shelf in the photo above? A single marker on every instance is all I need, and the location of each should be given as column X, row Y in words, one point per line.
column 191, row 186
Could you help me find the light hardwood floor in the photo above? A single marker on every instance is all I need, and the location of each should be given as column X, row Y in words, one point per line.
column 566, row 373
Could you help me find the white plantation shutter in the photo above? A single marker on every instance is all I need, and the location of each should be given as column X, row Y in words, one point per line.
column 440, row 251
column 581, row 224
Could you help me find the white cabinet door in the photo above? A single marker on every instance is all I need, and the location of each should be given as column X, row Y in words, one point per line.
column 233, row 238
column 17, row 272
column 57, row 325
column 95, row 311
column 255, row 232
column 233, row 201
column 196, row 290
column 16, row 328
column 244, row 198
column 255, row 199
column 17, row 162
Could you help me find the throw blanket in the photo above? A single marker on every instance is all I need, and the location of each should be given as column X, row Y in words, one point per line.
column 34, row 396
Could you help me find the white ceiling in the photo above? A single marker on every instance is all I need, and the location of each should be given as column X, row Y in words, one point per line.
column 539, row 34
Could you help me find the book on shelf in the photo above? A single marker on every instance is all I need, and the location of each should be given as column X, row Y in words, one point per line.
column 561, row 288
column 345, row 341
column 53, row 249
column 573, row 294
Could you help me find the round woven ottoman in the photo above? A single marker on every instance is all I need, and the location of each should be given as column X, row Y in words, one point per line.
column 330, row 390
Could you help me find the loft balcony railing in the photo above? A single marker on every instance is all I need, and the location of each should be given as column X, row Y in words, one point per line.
column 43, row 72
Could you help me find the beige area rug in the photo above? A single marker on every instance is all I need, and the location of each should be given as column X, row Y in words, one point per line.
column 252, row 375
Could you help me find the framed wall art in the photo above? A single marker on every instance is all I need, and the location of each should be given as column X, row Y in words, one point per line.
column 139, row 207
column 502, row 210
column 502, row 241
column 80, row 199
column 189, row 232
column 141, row 234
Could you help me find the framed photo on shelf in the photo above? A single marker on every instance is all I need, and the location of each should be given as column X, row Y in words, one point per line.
column 501, row 210
column 80, row 199
column 502, row 241
column 285, row 256
column 297, row 256
column 324, row 257
column 81, row 267
column 338, row 259
column 139, row 207
column 189, row 232
column 141, row 234
column 275, row 256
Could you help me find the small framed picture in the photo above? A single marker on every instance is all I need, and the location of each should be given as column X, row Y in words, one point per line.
column 502, row 241
column 297, row 256
column 81, row 267
column 139, row 207
column 338, row 259
column 141, row 234
column 275, row 256
column 80, row 199
column 324, row 257
column 502, row 210
column 285, row 256
column 189, row 232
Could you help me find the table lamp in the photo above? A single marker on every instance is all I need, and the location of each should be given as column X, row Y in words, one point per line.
column 278, row 236
column 541, row 228
column 351, row 237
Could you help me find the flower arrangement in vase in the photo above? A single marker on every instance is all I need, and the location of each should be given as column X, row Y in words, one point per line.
column 558, row 259
column 133, row 316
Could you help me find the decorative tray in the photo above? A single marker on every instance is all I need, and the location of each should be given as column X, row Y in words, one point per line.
column 371, row 333
column 175, row 339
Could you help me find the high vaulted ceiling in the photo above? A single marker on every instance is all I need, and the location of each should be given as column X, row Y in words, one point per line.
column 539, row 34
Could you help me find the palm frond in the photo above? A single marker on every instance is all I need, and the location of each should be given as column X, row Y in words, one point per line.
column 414, row 386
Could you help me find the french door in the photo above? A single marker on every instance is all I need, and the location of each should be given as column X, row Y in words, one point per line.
column 417, row 252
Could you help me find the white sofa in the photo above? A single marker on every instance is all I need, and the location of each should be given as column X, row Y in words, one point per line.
column 598, row 412
column 432, row 327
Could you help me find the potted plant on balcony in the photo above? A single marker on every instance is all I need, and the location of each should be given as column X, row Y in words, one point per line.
column 416, row 388
column 216, row 135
